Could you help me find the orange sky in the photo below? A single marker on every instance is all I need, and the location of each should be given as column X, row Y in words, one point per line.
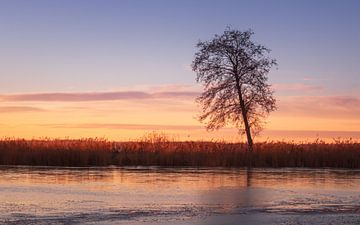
column 122, row 69
column 130, row 113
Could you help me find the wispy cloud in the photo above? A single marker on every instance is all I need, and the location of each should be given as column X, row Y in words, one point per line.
column 297, row 87
column 343, row 101
column 125, row 126
column 97, row 96
column 177, row 94
column 344, row 107
column 307, row 78
column 12, row 109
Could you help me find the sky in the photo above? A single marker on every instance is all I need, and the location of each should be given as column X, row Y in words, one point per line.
column 121, row 69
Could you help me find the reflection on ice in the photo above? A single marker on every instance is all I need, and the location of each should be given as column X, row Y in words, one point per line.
column 186, row 195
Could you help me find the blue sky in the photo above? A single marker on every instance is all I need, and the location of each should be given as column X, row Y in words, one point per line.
column 104, row 45
column 70, row 68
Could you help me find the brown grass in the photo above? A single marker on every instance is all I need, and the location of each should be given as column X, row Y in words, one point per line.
column 157, row 150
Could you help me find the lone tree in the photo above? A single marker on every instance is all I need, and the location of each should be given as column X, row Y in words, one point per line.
column 233, row 70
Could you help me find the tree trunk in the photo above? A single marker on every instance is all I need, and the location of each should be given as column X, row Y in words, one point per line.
column 248, row 134
column 246, row 122
column 247, row 127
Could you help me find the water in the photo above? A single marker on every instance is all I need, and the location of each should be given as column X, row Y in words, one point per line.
column 48, row 195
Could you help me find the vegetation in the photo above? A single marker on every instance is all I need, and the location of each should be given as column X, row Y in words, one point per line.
column 233, row 70
column 159, row 151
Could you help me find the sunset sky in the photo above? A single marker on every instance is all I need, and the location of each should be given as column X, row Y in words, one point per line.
column 120, row 69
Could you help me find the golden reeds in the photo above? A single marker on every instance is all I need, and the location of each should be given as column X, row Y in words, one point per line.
column 160, row 151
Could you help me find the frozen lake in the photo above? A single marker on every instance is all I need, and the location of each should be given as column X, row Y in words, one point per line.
column 150, row 195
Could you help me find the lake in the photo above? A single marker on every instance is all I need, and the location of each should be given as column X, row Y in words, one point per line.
column 152, row 195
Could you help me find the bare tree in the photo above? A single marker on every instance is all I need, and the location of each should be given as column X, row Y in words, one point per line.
column 233, row 70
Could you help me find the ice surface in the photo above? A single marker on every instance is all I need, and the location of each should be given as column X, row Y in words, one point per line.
column 137, row 195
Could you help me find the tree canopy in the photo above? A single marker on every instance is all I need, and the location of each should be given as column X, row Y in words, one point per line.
column 233, row 70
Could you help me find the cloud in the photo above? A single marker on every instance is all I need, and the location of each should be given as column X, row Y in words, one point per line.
column 297, row 87
column 343, row 107
column 308, row 78
column 343, row 101
column 7, row 109
column 97, row 96
column 177, row 94
column 171, row 87
column 74, row 97
column 126, row 126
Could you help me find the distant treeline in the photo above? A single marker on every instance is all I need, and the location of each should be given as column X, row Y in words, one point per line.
column 161, row 152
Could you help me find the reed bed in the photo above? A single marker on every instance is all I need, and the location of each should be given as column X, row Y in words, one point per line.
column 159, row 151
